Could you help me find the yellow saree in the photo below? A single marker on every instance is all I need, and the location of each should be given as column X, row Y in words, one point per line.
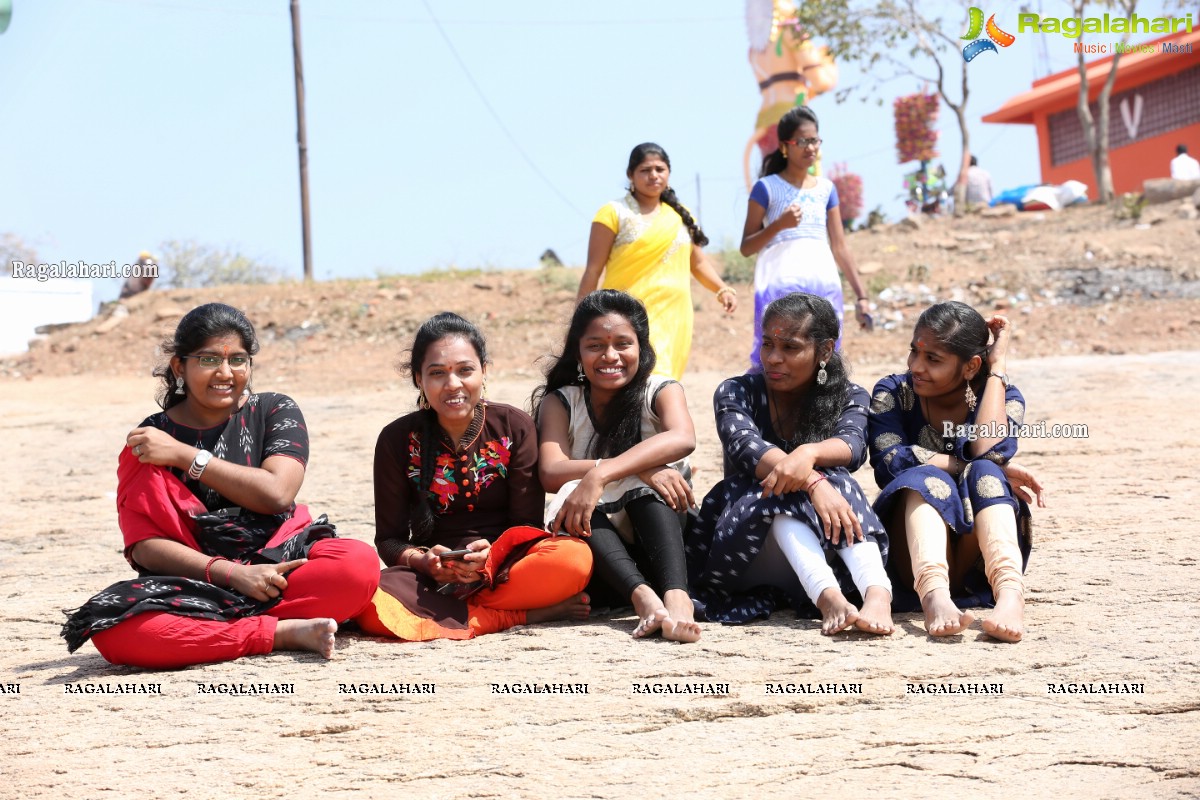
column 651, row 260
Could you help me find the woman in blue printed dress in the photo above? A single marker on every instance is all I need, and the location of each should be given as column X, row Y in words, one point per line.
column 794, row 225
column 942, row 441
column 791, row 435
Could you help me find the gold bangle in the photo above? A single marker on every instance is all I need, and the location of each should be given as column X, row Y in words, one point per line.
column 725, row 289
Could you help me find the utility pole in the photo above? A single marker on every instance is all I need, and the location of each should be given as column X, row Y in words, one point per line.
column 301, row 141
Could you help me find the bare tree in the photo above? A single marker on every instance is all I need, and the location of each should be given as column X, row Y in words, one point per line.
column 1095, row 132
column 1095, row 126
column 913, row 40
column 190, row 265
column 12, row 249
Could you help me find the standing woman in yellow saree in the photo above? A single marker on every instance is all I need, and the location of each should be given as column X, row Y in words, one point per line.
column 648, row 245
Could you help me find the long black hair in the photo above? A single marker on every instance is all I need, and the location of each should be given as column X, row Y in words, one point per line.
column 774, row 162
column 963, row 331
column 815, row 418
column 621, row 426
column 437, row 327
column 651, row 150
column 197, row 327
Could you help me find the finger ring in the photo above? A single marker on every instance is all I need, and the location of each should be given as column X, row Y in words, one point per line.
column 137, row 450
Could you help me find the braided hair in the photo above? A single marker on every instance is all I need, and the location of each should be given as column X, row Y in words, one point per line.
column 774, row 162
column 621, row 426
column 815, row 418
column 651, row 150
column 447, row 324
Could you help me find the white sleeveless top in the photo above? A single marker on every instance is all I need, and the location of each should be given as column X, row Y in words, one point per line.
column 582, row 433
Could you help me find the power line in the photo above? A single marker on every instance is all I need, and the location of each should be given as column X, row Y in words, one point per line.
column 208, row 9
column 496, row 117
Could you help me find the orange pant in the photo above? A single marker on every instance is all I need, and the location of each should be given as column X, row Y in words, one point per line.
column 553, row 570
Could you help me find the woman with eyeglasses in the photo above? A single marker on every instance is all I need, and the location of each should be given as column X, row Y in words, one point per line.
column 228, row 564
column 794, row 225
column 647, row 244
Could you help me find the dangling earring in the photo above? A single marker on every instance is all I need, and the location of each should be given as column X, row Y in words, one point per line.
column 783, row 153
column 969, row 394
column 179, row 385
column 483, row 391
column 822, row 375
column 422, row 401
column 581, row 377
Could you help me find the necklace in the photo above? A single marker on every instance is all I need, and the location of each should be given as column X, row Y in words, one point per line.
column 948, row 442
column 474, row 428
column 790, row 442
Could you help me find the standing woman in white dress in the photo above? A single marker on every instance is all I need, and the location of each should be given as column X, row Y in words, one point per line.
column 794, row 224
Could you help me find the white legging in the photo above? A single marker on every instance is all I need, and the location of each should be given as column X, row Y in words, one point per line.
column 801, row 547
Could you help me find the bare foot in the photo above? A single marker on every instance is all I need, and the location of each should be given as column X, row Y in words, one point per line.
column 1007, row 622
column 576, row 607
column 942, row 617
column 876, row 613
column 680, row 624
column 680, row 630
column 650, row 624
column 316, row 635
column 837, row 613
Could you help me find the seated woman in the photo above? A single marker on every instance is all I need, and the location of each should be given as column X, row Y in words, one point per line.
column 458, row 507
column 791, row 435
column 614, row 445
column 941, row 448
column 229, row 565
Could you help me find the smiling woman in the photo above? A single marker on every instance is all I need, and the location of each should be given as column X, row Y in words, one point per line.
column 614, row 446
column 953, row 504
column 458, row 476
column 229, row 565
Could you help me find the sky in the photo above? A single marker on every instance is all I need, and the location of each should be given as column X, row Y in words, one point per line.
column 476, row 141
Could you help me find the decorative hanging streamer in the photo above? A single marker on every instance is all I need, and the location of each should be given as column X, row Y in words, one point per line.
column 975, row 26
column 916, row 127
column 998, row 36
column 978, row 46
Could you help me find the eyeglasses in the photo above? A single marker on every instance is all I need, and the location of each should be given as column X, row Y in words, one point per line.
column 236, row 363
column 814, row 142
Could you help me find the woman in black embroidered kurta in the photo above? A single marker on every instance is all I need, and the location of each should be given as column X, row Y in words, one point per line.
column 461, row 474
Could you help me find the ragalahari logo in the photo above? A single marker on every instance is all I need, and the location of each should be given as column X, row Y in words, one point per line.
column 975, row 27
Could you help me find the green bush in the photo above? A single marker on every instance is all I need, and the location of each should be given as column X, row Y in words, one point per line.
column 733, row 266
column 191, row 265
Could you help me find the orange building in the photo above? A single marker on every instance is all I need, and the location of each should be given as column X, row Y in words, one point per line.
column 1154, row 106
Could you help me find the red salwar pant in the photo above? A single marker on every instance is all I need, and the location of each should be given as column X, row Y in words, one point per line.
column 338, row 582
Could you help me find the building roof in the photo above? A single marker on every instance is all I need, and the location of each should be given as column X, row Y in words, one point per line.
column 1061, row 90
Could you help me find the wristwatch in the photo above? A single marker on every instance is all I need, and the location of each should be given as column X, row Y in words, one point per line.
column 198, row 464
column 1003, row 378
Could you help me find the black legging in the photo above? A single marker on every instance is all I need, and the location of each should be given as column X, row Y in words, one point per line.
column 658, row 531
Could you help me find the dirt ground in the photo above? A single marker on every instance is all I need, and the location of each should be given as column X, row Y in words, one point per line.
column 1111, row 584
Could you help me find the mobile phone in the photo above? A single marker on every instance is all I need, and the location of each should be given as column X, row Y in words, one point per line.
column 454, row 555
